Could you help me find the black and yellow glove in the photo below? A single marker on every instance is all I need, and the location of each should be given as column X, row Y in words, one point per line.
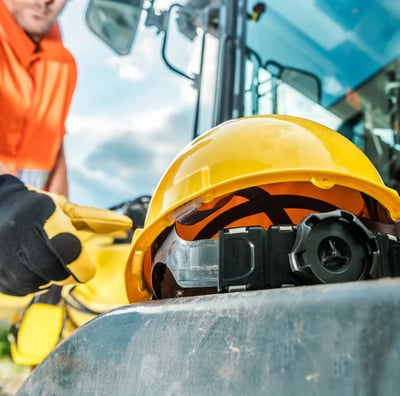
column 38, row 238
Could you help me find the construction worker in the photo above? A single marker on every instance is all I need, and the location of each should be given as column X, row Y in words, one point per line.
column 37, row 81
column 41, row 242
column 265, row 202
column 38, row 241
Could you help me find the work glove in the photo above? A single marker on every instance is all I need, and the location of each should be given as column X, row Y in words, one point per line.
column 39, row 245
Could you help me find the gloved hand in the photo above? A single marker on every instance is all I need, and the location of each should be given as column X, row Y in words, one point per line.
column 38, row 238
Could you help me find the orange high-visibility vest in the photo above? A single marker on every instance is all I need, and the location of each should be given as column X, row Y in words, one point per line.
column 36, row 88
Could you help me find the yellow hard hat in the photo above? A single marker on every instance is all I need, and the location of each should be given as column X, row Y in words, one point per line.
column 272, row 151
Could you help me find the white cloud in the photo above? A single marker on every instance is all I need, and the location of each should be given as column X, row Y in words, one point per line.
column 111, row 159
column 147, row 123
column 126, row 69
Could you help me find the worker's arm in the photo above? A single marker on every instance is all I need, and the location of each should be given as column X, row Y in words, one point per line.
column 38, row 237
column 58, row 181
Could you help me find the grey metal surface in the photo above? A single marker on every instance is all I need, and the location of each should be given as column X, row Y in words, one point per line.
column 341, row 339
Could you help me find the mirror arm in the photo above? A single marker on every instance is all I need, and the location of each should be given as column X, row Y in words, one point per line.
column 170, row 65
column 158, row 19
column 164, row 48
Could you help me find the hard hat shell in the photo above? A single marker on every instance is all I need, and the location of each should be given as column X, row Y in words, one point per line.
column 254, row 151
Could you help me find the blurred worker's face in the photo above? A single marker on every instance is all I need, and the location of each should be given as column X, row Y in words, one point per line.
column 36, row 17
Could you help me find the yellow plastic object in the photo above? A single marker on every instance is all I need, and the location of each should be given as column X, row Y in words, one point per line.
column 106, row 290
column 39, row 332
column 253, row 151
column 10, row 304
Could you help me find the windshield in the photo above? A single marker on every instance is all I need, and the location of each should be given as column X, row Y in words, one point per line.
column 342, row 42
column 352, row 48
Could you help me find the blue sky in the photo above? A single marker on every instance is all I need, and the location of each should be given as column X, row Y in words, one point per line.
column 129, row 117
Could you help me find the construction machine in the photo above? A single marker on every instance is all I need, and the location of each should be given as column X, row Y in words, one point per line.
column 336, row 62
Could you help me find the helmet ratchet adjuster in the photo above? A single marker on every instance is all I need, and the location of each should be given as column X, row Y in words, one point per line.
column 323, row 248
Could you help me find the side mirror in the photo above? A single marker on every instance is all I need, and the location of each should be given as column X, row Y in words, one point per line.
column 306, row 83
column 115, row 22
column 303, row 81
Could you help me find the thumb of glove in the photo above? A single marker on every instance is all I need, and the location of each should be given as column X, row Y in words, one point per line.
column 85, row 218
column 64, row 222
